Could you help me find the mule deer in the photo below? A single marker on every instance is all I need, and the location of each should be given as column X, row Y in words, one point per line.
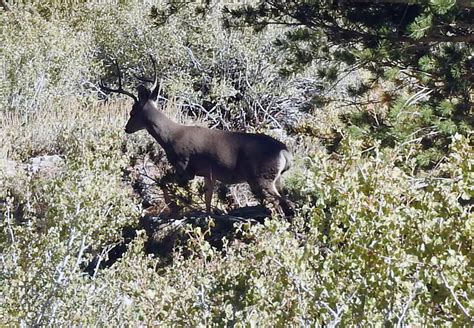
column 230, row 157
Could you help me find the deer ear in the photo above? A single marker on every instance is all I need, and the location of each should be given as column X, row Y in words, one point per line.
column 143, row 93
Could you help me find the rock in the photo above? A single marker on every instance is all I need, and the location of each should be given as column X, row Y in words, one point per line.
column 47, row 165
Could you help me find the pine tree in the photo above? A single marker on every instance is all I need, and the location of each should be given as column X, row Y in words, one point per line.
column 424, row 48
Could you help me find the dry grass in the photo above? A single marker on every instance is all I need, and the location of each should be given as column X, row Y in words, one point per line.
column 46, row 131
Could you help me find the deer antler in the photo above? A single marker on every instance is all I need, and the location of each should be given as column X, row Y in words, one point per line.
column 147, row 79
column 155, row 79
column 120, row 88
column 156, row 88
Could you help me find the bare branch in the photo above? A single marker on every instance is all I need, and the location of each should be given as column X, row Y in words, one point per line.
column 453, row 293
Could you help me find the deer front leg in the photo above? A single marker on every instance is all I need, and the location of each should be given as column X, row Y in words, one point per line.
column 209, row 184
column 183, row 173
column 164, row 183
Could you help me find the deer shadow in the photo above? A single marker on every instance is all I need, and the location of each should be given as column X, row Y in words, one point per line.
column 165, row 233
column 169, row 206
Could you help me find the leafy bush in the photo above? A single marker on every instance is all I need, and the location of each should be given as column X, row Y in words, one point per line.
column 41, row 60
column 374, row 245
column 228, row 77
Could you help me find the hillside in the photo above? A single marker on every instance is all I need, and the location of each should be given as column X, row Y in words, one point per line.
column 382, row 177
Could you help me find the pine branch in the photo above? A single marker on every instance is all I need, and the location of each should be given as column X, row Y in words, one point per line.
column 459, row 3
column 333, row 28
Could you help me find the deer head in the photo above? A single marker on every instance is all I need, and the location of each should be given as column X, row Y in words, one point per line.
column 146, row 98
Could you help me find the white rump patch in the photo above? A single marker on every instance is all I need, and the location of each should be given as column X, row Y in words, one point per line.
column 281, row 163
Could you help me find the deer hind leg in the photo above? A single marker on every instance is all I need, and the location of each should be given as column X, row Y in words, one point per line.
column 209, row 184
column 266, row 190
column 285, row 204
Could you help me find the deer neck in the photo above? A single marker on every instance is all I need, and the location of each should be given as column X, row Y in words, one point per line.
column 161, row 127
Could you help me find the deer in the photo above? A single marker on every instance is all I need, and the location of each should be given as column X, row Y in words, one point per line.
column 230, row 157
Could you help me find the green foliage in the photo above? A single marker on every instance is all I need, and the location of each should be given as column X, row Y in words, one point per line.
column 376, row 240
column 422, row 47
column 392, row 239
column 379, row 247
column 420, row 26
column 230, row 77
column 41, row 60
column 216, row 74
column 52, row 223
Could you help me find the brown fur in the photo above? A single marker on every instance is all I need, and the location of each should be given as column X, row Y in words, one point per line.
column 229, row 157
